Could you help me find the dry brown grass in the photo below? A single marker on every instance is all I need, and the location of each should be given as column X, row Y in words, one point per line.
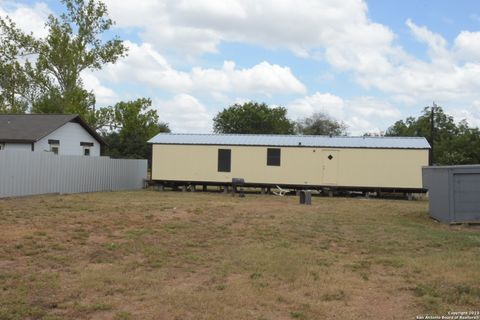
column 151, row 255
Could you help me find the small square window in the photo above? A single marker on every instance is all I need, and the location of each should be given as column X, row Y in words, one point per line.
column 86, row 151
column 54, row 149
column 273, row 157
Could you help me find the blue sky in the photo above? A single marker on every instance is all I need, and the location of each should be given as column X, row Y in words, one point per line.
column 367, row 63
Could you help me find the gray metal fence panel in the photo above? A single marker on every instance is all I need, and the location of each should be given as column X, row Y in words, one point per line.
column 27, row 173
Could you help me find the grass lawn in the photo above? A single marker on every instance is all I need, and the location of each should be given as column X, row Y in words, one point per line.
column 173, row 255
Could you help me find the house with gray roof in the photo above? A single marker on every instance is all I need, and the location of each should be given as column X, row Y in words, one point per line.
column 63, row 134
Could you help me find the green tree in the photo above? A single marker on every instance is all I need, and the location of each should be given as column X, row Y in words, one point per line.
column 253, row 117
column 75, row 43
column 134, row 123
column 453, row 143
column 321, row 124
column 15, row 48
column 461, row 148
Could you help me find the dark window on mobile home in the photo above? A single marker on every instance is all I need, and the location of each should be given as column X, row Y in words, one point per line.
column 273, row 157
column 224, row 160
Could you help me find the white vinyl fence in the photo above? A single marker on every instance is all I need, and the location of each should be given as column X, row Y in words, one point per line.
column 27, row 173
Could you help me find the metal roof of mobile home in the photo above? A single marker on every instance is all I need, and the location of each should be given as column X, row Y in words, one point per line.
column 291, row 141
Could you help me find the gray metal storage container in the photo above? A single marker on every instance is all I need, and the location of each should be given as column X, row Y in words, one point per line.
column 453, row 192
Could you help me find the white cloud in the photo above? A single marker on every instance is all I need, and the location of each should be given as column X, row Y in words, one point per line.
column 361, row 114
column 339, row 30
column 145, row 65
column 221, row 9
column 359, row 126
column 196, row 27
column 104, row 96
column 370, row 114
column 184, row 113
column 264, row 78
column 27, row 18
column 467, row 46
column 159, row 26
column 447, row 76
column 437, row 45
column 372, row 107
column 317, row 103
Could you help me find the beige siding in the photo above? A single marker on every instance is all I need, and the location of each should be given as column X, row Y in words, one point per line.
column 394, row 168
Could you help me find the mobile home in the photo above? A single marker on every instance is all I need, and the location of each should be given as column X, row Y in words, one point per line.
column 351, row 163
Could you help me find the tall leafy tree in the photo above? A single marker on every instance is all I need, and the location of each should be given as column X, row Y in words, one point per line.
column 15, row 49
column 453, row 143
column 253, row 117
column 134, row 123
column 75, row 43
column 321, row 124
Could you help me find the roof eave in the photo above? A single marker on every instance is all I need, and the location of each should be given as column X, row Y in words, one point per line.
column 90, row 130
column 16, row 141
column 83, row 123
column 284, row 146
column 73, row 116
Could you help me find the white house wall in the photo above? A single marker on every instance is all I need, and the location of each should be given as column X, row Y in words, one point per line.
column 70, row 135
